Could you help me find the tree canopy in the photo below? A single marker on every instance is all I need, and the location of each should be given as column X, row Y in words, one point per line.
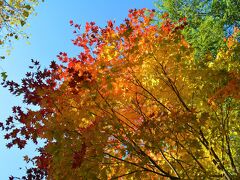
column 132, row 104
column 209, row 22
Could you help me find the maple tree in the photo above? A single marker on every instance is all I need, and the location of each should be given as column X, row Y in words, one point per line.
column 132, row 104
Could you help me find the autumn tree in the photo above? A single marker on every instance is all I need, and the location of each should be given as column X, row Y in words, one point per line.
column 132, row 104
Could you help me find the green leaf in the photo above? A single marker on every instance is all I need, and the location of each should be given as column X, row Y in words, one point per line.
column 25, row 14
column 28, row 7
column 4, row 76
column 23, row 23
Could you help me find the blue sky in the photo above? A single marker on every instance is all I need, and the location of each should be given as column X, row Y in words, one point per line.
column 50, row 34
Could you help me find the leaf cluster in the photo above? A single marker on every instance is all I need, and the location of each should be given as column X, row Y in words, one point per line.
column 209, row 22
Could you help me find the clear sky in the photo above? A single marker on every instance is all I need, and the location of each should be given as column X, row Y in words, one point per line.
column 51, row 33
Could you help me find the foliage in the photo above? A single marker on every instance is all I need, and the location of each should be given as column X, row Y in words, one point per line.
column 209, row 22
column 13, row 16
column 132, row 104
